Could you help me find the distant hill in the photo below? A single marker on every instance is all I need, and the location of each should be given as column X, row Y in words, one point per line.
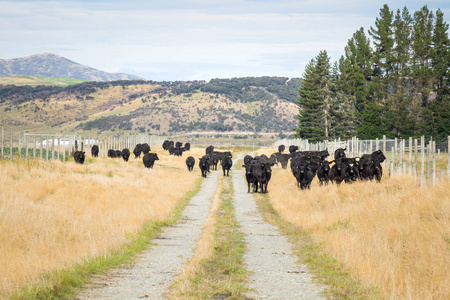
column 238, row 107
column 35, row 80
column 55, row 66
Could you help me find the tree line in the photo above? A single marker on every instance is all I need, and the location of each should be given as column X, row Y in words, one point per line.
column 396, row 85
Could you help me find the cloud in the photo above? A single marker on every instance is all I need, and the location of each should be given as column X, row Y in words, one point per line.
column 175, row 40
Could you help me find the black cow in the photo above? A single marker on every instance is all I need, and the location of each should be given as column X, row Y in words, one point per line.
column 165, row 145
column 125, row 154
column 149, row 159
column 248, row 171
column 94, row 151
column 79, row 157
column 227, row 163
column 145, row 148
column 338, row 172
column 370, row 165
column 262, row 173
column 178, row 144
column 323, row 172
column 204, row 164
column 178, row 151
column 214, row 161
column 137, row 150
column 117, row 153
column 340, row 152
column 187, row 146
column 281, row 148
column 292, row 148
column 247, row 159
column 111, row 153
column 284, row 159
column 209, row 149
column 304, row 175
column 352, row 171
column 190, row 162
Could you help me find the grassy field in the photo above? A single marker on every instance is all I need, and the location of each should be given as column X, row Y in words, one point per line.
column 393, row 235
column 55, row 215
column 36, row 80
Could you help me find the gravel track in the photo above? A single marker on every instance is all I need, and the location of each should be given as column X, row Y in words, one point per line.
column 274, row 271
column 153, row 270
column 275, row 274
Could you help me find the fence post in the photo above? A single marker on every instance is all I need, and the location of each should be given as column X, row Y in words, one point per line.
column 448, row 156
column 41, row 153
column 384, row 144
column 434, row 163
column 26, row 146
column 46, row 150
column 2, row 139
column 422, row 142
column 11, row 146
column 19, row 146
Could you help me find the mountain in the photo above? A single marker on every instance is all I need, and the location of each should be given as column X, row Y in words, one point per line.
column 55, row 66
column 239, row 107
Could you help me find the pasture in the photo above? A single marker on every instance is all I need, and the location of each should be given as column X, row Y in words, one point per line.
column 393, row 235
column 54, row 215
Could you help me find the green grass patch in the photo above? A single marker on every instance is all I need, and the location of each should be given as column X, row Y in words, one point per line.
column 327, row 270
column 65, row 283
column 223, row 275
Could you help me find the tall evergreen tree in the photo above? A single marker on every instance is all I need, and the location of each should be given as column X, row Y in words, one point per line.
column 421, row 49
column 383, row 40
column 313, row 100
column 357, row 71
column 440, row 51
column 342, row 115
column 402, row 44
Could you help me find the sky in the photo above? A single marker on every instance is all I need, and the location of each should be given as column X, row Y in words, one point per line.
column 169, row 40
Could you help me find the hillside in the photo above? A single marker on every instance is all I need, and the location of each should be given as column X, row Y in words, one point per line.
column 234, row 106
column 55, row 66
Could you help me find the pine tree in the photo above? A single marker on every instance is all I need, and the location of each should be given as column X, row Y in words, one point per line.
column 313, row 100
column 357, row 72
column 440, row 51
column 382, row 35
column 342, row 115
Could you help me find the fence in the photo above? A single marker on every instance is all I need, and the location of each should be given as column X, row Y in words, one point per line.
column 403, row 156
column 61, row 147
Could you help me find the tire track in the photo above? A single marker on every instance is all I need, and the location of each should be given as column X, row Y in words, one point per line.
column 275, row 274
column 153, row 271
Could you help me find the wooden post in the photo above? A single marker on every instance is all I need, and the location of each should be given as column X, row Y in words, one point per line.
column 46, row 150
column 64, row 149
column 3, row 133
column 384, row 144
column 422, row 145
column 410, row 149
column 19, row 146
column 53, row 148
column 433, row 145
column 42, row 147
column 428, row 161
column 11, row 146
column 448, row 156
column 59, row 148
column 25, row 142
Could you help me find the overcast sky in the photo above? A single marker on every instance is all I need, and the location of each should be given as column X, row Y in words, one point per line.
column 190, row 39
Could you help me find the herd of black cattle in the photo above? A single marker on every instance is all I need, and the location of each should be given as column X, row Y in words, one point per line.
column 305, row 165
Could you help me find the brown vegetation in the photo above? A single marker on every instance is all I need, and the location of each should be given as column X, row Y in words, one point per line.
column 393, row 235
column 53, row 214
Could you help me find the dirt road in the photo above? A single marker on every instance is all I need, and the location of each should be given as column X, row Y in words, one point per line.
column 274, row 271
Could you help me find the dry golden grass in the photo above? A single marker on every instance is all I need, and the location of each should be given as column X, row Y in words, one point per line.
column 182, row 285
column 392, row 234
column 54, row 214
